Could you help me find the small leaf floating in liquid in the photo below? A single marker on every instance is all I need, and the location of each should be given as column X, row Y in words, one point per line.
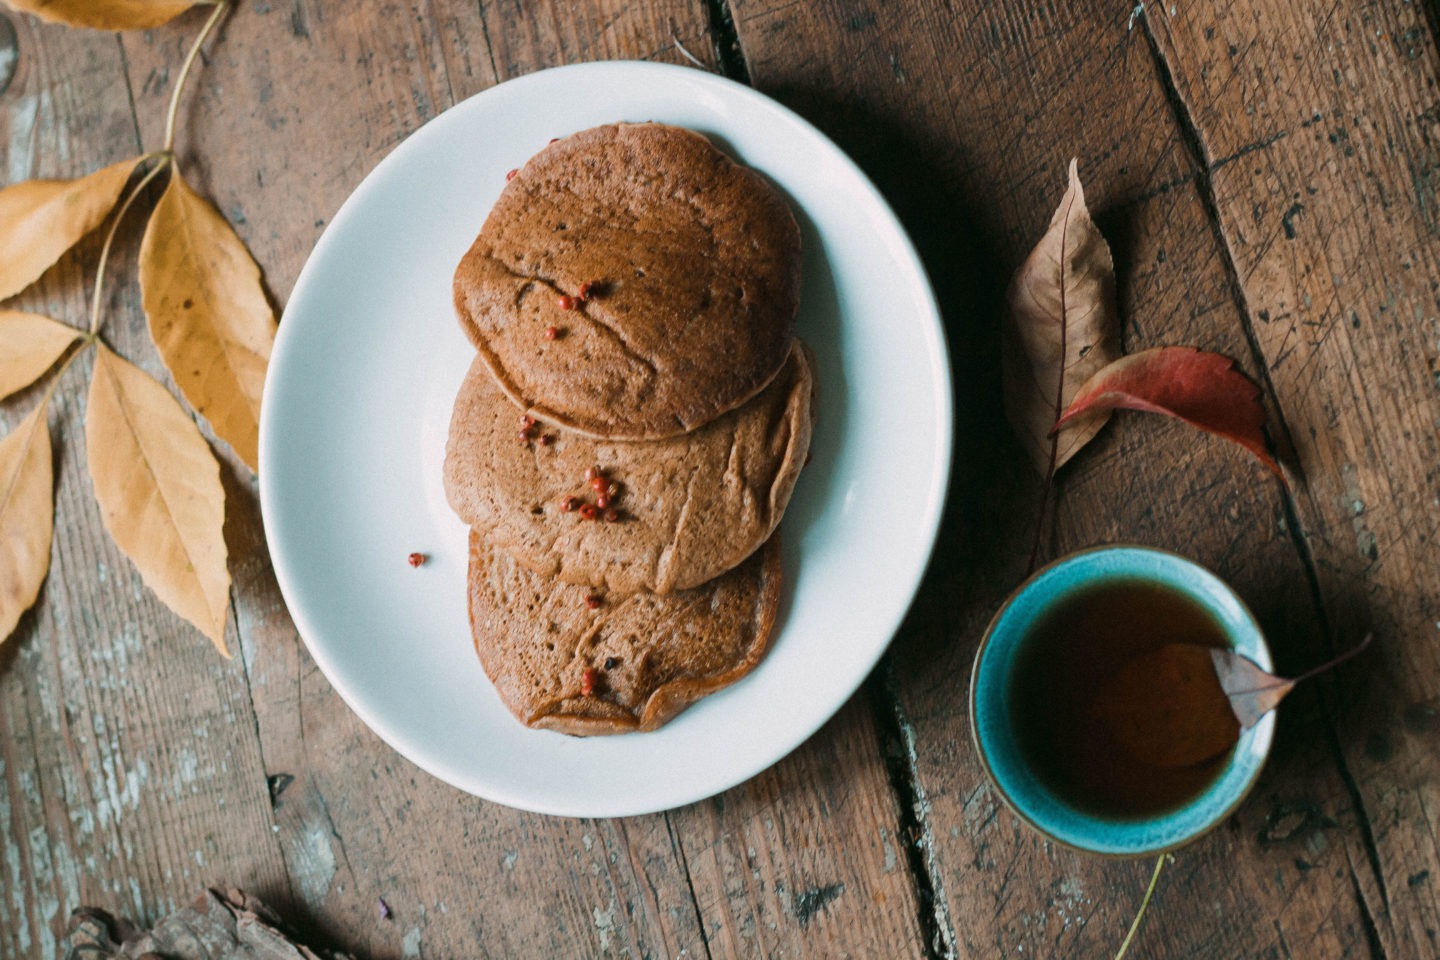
column 1254, row 692
column 1184, row 703
column 1251, row 690
column 1167, row 708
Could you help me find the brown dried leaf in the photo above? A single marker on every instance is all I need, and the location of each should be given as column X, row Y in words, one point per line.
column 27, row 517
column 1167, row 708
column 105, row 14
column 208, row 314
column 29, row 345
column 1252, row 691
column 44, row 218
column 158, row 486
column 217, row 925
column 1060, row 328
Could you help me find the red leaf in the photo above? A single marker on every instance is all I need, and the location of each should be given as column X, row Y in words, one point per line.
column 1203, row 389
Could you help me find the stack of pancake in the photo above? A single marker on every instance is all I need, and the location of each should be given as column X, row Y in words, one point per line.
column 630, row 432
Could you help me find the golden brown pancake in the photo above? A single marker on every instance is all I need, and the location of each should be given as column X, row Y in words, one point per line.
column 647, row 656
column 694, row 267
column 688, row 508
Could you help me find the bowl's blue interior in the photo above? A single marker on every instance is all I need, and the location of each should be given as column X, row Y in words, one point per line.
column 1051, row 814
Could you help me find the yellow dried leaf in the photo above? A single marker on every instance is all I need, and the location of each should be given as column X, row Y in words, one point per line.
column 105, row 14
column 208, row 314
column 27, row 517
column 29, row 345
column 44, row 218
column 158, row 486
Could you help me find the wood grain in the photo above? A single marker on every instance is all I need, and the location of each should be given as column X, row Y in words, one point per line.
column 1330, row 225
column 966, row 119
column 454, row 871
column 1266, row 174
column 128, row 752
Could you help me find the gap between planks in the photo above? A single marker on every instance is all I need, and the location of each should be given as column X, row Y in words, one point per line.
column 1199, row 155
column 896, row 733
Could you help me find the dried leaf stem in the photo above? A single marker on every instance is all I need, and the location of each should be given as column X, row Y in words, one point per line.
column 155, row 477
column 220, row 9
column 165, row 159
column 1315, row 671
column 1049, row 483
column 1144, row 904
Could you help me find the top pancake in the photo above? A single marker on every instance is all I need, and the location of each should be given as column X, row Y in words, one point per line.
column 695, row 267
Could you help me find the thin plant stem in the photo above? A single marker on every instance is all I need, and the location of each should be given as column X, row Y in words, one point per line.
column 1144, row 904
column 1059, row 408
column 1330, row 664
column 165, row 160
column 1335, row 662
column 220, row 9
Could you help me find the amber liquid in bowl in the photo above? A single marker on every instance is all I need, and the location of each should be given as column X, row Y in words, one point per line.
column 1064, row 667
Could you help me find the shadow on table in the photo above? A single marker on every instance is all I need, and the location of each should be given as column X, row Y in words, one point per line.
column 993, row 494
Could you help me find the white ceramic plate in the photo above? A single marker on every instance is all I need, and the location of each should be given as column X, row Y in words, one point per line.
column 366, row 367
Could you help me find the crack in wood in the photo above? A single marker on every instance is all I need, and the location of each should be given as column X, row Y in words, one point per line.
column 1372, row 935
column 897, row 747
column 728, row 51
column 1357, row 800
column 130, row 93
column 679, row 849
column 247, row 659
column 1199, row 157
column 489, row 47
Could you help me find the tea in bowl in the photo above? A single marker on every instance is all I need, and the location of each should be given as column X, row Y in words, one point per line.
column 1092, row 729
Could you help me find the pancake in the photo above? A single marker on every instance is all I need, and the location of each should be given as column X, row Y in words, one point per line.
column 649, row 656
column 694, row 266
column 688, row 508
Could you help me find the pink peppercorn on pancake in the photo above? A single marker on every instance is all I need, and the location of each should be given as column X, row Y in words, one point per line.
column 681, row 510
column 632, row 282
column 564, row 658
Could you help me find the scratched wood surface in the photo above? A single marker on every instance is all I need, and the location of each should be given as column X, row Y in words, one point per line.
column 1267, row 175
column 1022, row 89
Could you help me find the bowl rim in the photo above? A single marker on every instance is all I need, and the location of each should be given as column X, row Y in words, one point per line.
column 1262, row 731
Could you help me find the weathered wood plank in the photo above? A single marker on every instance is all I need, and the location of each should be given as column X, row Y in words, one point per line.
column 765, row 861
column 806, row 860
column 966, row 119
column 1330, row 221
column 130, row 764
column 355, row 822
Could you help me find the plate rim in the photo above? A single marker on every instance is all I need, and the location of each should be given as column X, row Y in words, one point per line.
column 927, row 528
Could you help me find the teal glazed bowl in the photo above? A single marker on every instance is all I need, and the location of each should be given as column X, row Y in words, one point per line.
column 996, row 741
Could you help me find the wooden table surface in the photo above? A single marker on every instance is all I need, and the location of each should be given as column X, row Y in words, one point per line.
column 1268, row 175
